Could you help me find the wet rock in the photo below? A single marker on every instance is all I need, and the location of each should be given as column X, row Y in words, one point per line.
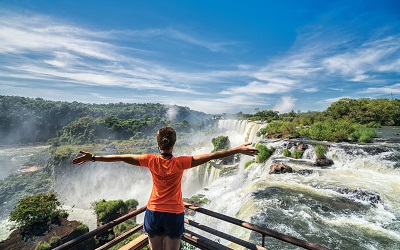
column 302, row 147
column 323, row 162
column 362, row 194
column 279, row 168
column 305, row 171
column 299, row 145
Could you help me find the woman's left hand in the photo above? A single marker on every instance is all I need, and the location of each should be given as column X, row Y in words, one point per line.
column 245, row 149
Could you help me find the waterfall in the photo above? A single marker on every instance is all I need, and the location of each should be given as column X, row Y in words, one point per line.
column 351, row 204
column 240, row 130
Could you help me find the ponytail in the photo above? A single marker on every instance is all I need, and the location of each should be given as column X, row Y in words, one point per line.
column 166, row 138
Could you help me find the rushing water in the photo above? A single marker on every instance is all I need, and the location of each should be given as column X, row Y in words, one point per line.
column 354, row 204
column 14, row 158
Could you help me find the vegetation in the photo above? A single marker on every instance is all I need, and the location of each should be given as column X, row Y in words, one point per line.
column 263, row 152
column 385, row 112
column 124, row 128
column 328, row 130
column 221, row 143
column 16, row 187
column 43, row 246
column 286, row 152
column 107, row 211
column 35, row 213
column 296, row 154
column 247, row 164
column 320, row 151
column 31, row 120
column 345, row 120
column 82, row 229
column 196, row 200
column 55, row 241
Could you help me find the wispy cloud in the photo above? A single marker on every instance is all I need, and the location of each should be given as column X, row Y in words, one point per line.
column 392, row 89
column 39, row 47
column 48, row 50
column 316, row 64
column 361, row 63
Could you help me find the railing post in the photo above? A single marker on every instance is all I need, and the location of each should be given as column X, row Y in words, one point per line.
column 263, row 240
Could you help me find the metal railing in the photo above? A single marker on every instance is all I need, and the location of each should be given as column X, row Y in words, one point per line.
column 263, row 231
column 194, row 238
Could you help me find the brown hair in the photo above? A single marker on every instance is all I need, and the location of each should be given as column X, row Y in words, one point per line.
column 166, row 138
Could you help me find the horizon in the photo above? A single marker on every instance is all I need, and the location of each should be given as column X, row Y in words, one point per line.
column 211, row 56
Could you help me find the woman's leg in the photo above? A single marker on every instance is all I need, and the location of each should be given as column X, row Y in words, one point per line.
column 156, row 243
column 172, row 244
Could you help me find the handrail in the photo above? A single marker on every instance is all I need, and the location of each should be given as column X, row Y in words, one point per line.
column 100, row 229
column 263, row 231
column 120, row 238
column 234, row 239
column 202, row 241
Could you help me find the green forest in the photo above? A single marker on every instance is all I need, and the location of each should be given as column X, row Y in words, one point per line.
column 344, row 120
column 34, row 120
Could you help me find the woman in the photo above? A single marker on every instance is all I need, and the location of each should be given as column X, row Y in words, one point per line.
column 164, row 217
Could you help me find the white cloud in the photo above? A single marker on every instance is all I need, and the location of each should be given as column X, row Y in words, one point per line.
column 66, row 53
column 311, row 90
column 285, row 104
column 47, row 50
column 393, row 89
column 256, row 87
column 357, row 64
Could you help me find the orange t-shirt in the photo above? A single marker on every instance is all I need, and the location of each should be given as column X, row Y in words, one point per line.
column 166, row 194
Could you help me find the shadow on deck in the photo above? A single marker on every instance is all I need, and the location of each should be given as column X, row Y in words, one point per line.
column 190, row 237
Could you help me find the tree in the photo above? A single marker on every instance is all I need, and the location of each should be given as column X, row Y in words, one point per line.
column 35, row 213
column 221, row 143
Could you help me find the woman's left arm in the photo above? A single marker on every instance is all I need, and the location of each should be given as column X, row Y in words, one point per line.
column 243, row 149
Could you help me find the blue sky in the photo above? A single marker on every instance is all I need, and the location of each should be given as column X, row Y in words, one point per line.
column 212, row 56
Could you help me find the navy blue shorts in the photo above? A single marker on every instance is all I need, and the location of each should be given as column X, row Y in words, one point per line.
column 163, row 224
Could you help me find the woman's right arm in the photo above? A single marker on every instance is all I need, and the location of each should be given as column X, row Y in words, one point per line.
column 130, row 159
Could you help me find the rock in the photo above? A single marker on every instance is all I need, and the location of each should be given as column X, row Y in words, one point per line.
column 66, row 231
column 302, row 147
column 305, row 171
column 279, row 168
column 323, row 162
column 362, row 194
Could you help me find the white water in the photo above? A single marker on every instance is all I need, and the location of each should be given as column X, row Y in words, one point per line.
column 309, row 206
column 304, row 206
column 82, row 186
column 12, row 159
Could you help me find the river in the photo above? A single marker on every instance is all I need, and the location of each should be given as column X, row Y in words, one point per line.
column 353, row 204
column 12, row 159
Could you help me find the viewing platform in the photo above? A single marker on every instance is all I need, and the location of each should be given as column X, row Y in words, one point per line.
column 192, row 238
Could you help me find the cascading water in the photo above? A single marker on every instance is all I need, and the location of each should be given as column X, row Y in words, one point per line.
column 195, row 179
column 352, row 204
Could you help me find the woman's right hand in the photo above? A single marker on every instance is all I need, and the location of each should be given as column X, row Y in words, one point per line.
column 82, row 159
